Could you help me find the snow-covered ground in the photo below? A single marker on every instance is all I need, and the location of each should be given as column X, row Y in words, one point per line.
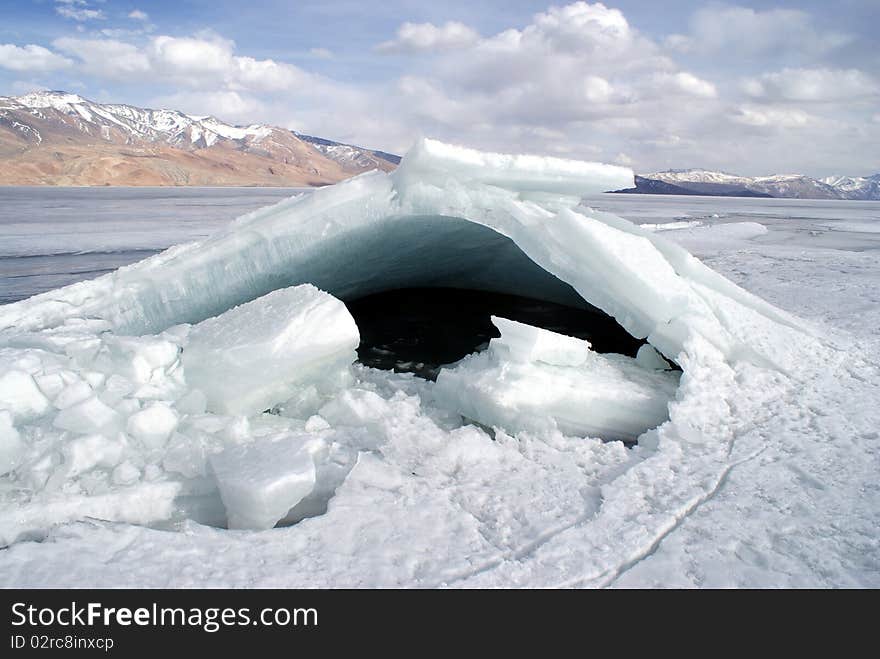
column 121, row 471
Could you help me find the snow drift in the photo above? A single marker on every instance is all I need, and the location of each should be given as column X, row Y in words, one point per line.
column 139, row 396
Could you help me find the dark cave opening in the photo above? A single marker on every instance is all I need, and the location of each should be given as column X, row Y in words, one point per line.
column 419, row 330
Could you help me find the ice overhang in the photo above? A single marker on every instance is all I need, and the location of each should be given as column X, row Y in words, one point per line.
column 448, row 216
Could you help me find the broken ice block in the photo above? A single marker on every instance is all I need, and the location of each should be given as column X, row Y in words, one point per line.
column 11, row 446
column 153, row 425
column 21, row 396
column 534, row 379
column 261, row 482
column 251, row 357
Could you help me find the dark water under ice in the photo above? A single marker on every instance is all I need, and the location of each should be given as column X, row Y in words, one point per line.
column 418, row 330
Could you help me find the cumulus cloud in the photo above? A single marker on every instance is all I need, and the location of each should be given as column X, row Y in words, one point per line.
column 425, row 37
column 811, row 85
column 743, row 30
column 105, row 58
column 138, row 15
column 204, row 60
column 31, row 58
column 569, row 67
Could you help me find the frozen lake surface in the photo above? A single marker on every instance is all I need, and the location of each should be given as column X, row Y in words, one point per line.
column 51, row 237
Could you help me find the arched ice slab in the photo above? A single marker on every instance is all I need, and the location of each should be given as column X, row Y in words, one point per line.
column 447, row 217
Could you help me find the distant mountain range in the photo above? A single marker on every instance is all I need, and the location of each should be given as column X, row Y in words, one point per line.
column 57, row 138
column 792, row 186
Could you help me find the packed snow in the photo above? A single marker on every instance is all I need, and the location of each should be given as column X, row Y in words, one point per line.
column 146, row 413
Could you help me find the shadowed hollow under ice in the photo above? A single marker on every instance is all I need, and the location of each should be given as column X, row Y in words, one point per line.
column 189, row 403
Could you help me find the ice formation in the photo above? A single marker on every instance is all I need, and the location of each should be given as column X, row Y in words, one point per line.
column 256, row 355
column 260, row 483
column 533, row 379
column 139, row 396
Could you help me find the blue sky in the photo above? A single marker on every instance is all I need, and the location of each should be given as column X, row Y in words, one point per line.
column 750, row 87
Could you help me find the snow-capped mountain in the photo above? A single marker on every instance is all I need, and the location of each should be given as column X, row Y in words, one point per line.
column 795, row 186
column 856, row 187
column 111, row 121
column 347, row 154
column 61, row 138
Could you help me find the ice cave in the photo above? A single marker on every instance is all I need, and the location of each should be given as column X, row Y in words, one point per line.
column 238, row 381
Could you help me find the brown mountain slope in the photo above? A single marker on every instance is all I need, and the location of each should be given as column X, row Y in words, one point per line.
column 53, row 138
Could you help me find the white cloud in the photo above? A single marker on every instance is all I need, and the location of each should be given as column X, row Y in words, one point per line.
column 227, row 105
column 185, row 56
column 21, row 87
column 266, row 75
column 106, row 58
column 138, row 15
column 771, row 117
column 202, row 61
column 745, row 31
column 569, row 65
column 32, row 58
column 686, row 83
column 425, row 37
column 811, row 85
column 80, row 14
column 580, row 27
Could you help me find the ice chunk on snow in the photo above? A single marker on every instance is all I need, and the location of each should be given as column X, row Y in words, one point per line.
column 356, row 407
column 250, row 357
column 88, row 416
column 260, row 483
column 602, row 395
column 84, row 453
column 11, row 446
column 533, row 344
column 21, row 396
column 137, row 358
column 72, row 394
column 153, row 425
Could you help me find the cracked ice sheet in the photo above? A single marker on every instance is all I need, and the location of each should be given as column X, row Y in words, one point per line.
column 804, row 509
